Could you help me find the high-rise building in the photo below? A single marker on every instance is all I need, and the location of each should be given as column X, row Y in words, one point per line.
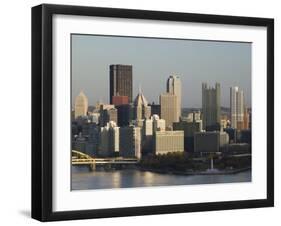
column 130, row 142
column 169, row 112
column 142, row 110
column 236, row 108
column 107, row 113
column 81, row 105
column 121, row 81
column 120, row 100
column 174, row 87
column 147, row 128
column 125, row 114
column 168, row 141
column 150, row 126
column 109, row 139
column 211, row 106
column 246, row 118
column 157, row 123
column 155, row 109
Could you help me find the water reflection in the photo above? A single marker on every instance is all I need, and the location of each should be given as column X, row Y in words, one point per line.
column 82, row 179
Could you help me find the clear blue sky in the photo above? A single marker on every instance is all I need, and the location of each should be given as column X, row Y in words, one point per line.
column 154, row 60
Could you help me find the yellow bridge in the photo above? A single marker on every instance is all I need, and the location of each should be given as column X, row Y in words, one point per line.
column 80, row 158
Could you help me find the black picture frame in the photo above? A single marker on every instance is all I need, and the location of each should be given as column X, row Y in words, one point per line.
column 42, row 111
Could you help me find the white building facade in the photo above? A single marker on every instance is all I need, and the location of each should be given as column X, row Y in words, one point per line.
column 236, row 108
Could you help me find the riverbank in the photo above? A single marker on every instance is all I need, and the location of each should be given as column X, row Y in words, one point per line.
column 186, row 173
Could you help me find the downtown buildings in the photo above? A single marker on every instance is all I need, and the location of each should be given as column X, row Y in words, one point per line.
column 133, row 127
column 126, row 127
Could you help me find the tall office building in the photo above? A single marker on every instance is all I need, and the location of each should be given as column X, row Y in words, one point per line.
column 236, row 108
column 158, row 124
column 120, row 100
column 130, row 142
column 169, row 112
column 121, row 81
column 155, row 109
column 142, row 110
column 246, row 118
column 81, row 105
column 109, row 139
column 107, row 113
column 125, row 114
column 174, row 87
column 211, row 106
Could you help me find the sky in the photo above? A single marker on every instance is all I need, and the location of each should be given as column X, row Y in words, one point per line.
column 154, row 60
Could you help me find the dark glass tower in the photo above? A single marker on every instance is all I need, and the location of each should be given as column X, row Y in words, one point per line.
column 121, row 83
column 211, row 104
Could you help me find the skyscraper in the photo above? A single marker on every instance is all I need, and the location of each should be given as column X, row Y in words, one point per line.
column 211, row 106
column 130, row 142
column 121, row 81
column 142, row 110
column 120, row 100
column 158, row 124
column 107, row 113
column 109, row 139
column 174, row 87
column 81, row 105
column 125, row 114
column 236, row 108
column 169, row 112
column 246, row 118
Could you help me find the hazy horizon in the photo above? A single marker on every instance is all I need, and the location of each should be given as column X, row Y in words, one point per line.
column 154, row 60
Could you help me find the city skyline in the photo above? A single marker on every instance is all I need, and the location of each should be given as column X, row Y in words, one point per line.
column 146, row 129
column 96, row 87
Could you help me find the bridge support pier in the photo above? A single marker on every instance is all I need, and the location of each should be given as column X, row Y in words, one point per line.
column 93, row 167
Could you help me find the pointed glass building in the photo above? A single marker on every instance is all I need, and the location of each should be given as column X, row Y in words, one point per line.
column 142, row 110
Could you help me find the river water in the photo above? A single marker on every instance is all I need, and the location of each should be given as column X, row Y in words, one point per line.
column 83, row 179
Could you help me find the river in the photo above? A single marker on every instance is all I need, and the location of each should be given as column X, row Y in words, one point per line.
column 83, row 179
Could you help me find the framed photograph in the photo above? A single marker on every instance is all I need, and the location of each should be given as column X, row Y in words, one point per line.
column 146, row 112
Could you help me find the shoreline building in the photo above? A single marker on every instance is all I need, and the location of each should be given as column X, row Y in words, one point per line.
column 211, row 107
column 211, row 141
column 121, row 81
column 237, row 108
column 81, row 105
column 174, row 87
column 189, row 128
column 168, row 141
